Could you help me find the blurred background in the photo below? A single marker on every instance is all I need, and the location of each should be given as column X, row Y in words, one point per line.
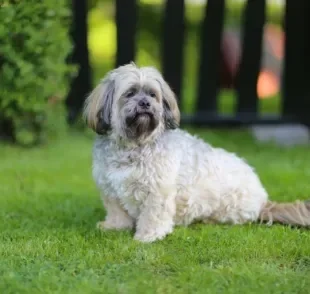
column 103, row 50
column 52, row 55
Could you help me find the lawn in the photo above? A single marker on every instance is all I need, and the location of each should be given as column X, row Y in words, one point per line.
column 49, row 244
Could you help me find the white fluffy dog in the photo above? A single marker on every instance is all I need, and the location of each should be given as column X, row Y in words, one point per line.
column 153, row 176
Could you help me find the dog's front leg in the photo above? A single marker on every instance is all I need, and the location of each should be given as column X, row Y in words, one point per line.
column 117, row 218
column 156, row 218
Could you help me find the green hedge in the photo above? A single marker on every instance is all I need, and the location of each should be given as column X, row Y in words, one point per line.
column 34, row 45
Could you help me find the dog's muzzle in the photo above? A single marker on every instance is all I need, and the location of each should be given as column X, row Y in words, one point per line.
column 145, row 115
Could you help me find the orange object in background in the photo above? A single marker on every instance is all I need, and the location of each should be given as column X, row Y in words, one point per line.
column 268, row 83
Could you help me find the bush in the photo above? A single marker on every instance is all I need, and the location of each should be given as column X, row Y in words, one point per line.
column 34, row 45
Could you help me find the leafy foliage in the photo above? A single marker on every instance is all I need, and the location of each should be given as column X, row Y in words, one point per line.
column 34, row 45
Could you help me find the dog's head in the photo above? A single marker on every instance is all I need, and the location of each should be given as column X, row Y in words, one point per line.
column 133, row 103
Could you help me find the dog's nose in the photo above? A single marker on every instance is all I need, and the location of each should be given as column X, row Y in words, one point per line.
column 143, row 103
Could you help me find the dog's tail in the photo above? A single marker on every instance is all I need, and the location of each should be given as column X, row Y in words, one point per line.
column 294, row 213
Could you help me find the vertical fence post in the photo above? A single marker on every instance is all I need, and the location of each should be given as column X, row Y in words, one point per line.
column 81, row 84
column 296, row 78
column 250, row 62
column 173, row 44
column 126, row 22
column 209, row 71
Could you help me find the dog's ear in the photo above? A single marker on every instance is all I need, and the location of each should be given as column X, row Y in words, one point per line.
column 171, row 109
column 98, row 106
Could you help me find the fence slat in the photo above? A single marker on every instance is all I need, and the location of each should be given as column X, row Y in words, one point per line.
column 296, row 78
column 173, row 44
column 250, row 62
column 209, row 71
column 126, row 22
column 81, row 84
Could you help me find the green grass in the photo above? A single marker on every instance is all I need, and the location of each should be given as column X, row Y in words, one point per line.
column 49, row 244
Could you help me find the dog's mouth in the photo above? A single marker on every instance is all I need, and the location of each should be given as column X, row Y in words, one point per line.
column 144, row 113
column 141, row 124
column 143, row 116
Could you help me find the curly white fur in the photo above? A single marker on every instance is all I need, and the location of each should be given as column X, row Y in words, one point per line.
column 176, row 180
column 168, row 177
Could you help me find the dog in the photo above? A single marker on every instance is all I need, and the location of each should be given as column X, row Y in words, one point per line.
column 153, row 176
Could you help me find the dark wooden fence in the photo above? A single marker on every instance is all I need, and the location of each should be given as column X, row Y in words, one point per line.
column 295, row 96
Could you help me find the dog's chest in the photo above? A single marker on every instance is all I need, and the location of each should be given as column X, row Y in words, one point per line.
column 131, row 177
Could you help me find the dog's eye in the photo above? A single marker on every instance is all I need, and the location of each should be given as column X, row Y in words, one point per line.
column 152, row 94
column 130, row 93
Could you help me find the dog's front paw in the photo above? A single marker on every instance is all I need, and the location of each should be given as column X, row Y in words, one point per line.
column 151, row 235
column 112, row 225
column 147, row 238
column 103, row 225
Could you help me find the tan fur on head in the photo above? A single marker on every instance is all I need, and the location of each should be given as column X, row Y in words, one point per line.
column 172, row 112
column 100, row 99
column 296, row 214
